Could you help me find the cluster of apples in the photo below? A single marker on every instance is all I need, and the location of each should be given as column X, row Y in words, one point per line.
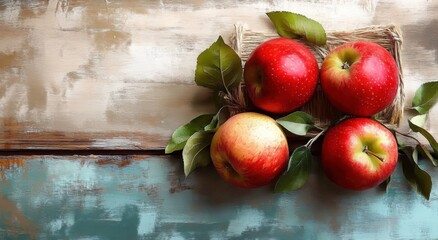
column 281, row 75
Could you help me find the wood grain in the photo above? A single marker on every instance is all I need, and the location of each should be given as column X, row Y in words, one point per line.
column 119, row 74
column 138, row 197
column 83, row 78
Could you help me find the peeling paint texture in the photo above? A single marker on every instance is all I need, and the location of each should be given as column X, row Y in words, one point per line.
column 117, row 69
column 104, row 75
column 149, row 198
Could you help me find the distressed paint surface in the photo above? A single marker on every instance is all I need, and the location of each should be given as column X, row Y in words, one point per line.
column 135, row 197
column 119, row 74
column 81, row 75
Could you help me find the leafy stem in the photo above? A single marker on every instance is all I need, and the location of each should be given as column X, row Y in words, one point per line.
column 319, row 128
column 411, row 137
column 312, row 140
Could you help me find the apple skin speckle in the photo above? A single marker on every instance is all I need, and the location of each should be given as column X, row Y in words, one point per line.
column 289, row 71
column 249, row 150
column 347, row 164
column 368, row 86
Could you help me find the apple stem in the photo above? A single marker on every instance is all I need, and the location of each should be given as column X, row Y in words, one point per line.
column 367, row 151
column 345, row 65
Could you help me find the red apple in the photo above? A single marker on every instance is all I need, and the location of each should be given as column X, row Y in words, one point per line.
column 249, row 150
column 281, row 75
column 359, row 78
column 359, row 153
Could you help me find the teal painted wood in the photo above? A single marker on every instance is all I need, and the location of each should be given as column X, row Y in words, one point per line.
column 149, row 198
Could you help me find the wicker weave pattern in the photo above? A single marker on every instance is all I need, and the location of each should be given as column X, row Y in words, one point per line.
column 245, row 41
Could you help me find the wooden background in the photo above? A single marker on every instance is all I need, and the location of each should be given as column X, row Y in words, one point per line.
column 111, row 77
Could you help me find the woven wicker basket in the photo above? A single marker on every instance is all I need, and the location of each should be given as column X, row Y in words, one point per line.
column 244, row 41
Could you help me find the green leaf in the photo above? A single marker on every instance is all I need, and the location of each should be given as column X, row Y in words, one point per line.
column 298, row 171
column 196, row 152
column 417, row 178
column 415, row 155
column 216, row 121
column 183, row 133
column 292, row 25
column 413, row 124
column 419, row 120
column 424, row 152
column 218, row 67
column 425, row 97
column 297, row 123
column 385, row 184
column 399, row 140
column 214, row 124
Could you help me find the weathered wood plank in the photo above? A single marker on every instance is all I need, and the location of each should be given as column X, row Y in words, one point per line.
column 141, row 116
column 74, row 73
column 143, row 197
